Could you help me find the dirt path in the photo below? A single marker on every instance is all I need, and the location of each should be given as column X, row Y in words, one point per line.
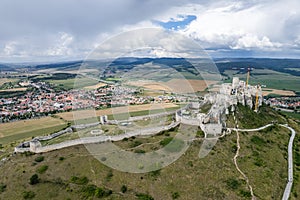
column 235, row 161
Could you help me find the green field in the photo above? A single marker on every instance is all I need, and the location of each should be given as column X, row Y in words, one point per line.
column 123, row 116
column 21, row 130
column 270, row 78
column 71, row 83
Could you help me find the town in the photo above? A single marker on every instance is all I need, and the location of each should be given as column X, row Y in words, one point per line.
column 42, row 100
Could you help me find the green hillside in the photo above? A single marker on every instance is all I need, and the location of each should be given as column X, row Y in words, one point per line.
column 72, row 173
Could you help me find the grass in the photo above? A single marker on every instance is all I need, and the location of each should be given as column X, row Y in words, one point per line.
column 71, row 83
column 7, row 80
column 264, row 116
column 264, row 155
column 212, row 177
column 123, row 116
column 291, row 114
column 263, row 158
column 21, row 130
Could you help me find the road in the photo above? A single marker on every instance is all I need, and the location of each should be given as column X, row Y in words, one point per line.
column 289, row 184
column 251, row 130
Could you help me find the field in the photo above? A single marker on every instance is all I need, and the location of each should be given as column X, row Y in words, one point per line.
column 267, row 91
column 71, row 83
column 7, row 80
column 10, row 132
column 94, row 87
column 14, row 89
column 272, row 79
column 84, row 114
column 175, row 85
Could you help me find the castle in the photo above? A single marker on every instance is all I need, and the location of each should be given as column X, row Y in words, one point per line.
column 229, row 95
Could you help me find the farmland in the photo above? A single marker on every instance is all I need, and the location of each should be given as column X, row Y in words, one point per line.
column 84, row 114
column 7, row 80
column 272, row 79
column 175, row 85
column 10, row 132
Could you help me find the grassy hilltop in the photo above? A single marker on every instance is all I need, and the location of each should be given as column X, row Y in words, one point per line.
column 72, row 173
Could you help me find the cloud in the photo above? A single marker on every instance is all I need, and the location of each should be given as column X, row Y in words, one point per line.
column 252, row 26
column 249, row 41
column 9, row 48
column 62, row 46
column 54, row 29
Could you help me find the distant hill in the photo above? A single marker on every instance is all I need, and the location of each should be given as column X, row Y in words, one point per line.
column 280, row 65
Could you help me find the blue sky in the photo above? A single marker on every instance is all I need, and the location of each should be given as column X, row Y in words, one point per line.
column 34, row 30
column 176, row 24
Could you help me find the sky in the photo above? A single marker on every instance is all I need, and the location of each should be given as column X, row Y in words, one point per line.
column 61, row 30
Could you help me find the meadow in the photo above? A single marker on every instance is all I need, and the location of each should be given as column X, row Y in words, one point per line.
column 26, row 129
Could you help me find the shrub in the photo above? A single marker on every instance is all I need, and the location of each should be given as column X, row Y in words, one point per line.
column 2, row 187
column 233, row 183
column 92, row 190
column 175, row 145
column 259, row 162
column 28, row 194
column 297, row 159
column 99, row 192
column 34, row 179
column 61, row 158
column 142, row 196
column 39, row 159
column 123, row 188
column 135, row 143
column 166, row 141
column 139, row 151
column 79, row 180
column 175, row 195
column 109, row 175
column 42, row 169
column 233, row 148
column 154, row 173
column 245, row 193
column 88, row 191
column 257, row 140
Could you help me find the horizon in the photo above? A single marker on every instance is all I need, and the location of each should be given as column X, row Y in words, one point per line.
column 106, row 59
